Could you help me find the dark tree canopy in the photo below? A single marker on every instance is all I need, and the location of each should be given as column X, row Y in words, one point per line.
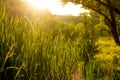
column 109, row 9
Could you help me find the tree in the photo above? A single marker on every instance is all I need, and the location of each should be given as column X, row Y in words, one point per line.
column 109, row 9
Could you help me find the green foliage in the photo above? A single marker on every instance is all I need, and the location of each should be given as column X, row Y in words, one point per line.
column 102, row 30
column 109, row 53
column 29, row 52
column 51, row 49
column 106, row 8
column 88, row 48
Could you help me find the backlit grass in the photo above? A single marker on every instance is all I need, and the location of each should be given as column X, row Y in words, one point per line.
column 50, row 49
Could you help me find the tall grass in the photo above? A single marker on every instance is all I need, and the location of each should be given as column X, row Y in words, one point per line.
column 28, row 52
column 50, row 49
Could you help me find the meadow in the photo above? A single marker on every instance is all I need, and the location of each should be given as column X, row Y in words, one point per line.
column 51, row 49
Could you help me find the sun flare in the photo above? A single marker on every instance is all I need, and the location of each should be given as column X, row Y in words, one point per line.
column 39, row 3
column 56, row 7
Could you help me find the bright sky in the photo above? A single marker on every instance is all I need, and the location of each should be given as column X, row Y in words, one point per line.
column 56, row 7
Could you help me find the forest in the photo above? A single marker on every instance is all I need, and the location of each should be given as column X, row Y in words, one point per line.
column 37, row 45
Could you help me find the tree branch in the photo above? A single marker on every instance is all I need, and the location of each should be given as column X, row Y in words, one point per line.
column 115, row 9
column 97, row 12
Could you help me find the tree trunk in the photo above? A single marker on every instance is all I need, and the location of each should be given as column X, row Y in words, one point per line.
column 114, row 29
column 113, row 25
column 115, row 36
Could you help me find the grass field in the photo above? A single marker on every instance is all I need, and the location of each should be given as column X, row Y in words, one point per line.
column 40, row 51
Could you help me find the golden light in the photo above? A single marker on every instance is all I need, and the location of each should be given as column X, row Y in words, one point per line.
column 39, row 3
column 56, row 7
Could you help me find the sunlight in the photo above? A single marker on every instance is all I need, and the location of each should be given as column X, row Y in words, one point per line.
column 39, row 3
column 56, row 7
